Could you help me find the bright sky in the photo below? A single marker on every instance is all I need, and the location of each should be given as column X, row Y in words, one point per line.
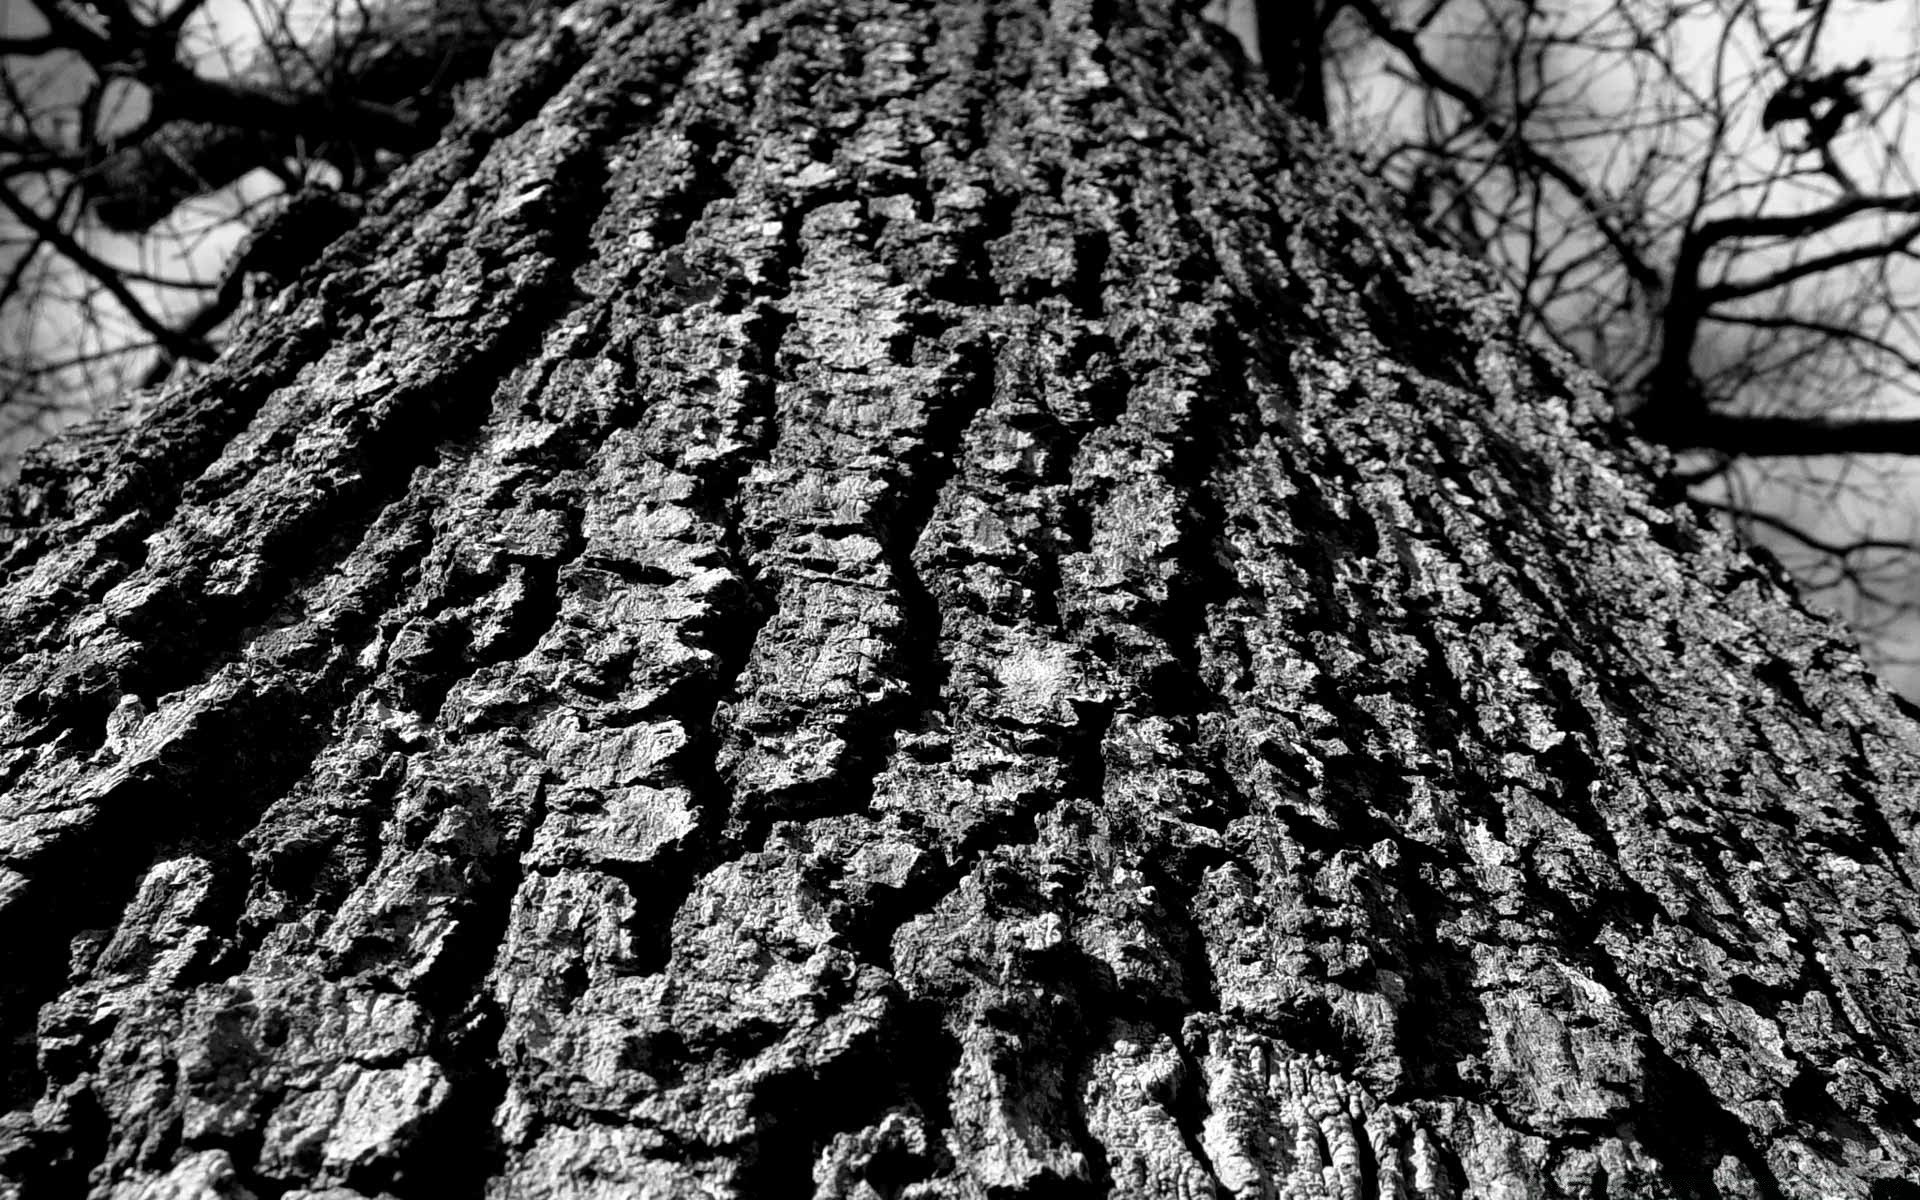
column 70, row 319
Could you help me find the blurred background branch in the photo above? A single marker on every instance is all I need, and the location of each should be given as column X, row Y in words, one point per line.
column 1711, row 202
column 153, row 155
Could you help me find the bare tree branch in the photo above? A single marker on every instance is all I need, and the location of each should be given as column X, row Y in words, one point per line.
column 103, row 274
column 1641, row 271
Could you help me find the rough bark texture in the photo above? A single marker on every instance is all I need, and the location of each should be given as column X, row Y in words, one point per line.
column 879, row 599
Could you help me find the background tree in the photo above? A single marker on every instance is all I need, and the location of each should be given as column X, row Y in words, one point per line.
column 922, row 600
column 1711, row 203
column 141, row 144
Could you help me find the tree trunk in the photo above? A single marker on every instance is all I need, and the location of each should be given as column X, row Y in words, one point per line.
column 870, row 598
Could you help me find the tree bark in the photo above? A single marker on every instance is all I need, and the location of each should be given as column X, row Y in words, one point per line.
column 922, row 600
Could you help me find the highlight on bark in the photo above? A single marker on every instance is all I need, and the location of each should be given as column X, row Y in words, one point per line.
column 866, row 597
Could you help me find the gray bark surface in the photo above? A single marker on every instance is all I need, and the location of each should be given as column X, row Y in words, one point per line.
column 921, row 600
